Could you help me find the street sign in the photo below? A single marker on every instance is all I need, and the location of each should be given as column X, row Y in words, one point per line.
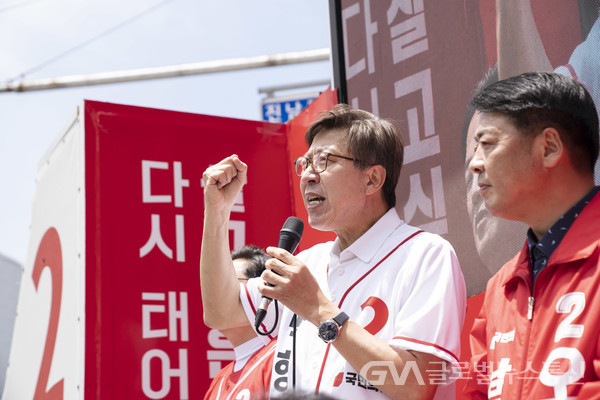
column 284, row 108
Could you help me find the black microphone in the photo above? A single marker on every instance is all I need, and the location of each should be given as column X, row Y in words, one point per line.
column 289, row 237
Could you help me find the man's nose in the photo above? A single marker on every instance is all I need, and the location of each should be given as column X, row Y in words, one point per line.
column 309, row 175
column 476, row 164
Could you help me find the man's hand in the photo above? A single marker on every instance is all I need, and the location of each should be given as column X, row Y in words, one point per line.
column 223, row 182
column 295, row 287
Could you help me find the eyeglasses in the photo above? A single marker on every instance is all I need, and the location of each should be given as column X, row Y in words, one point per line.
column 318, row 162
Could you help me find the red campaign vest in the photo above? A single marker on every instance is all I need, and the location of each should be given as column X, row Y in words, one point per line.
column 253, row 379
column 542, row 343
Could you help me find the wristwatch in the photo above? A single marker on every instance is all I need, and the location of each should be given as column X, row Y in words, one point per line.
column 330, row 330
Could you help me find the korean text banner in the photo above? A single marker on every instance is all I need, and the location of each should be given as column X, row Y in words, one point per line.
column 419, row 62
column 145, row 337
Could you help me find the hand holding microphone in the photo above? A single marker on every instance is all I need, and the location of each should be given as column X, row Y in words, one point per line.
column 289, row 237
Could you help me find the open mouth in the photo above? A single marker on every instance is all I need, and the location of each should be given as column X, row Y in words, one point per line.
column 312, row 200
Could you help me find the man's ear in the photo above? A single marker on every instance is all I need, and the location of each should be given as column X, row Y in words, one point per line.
column 553, row 147
column 375, row 178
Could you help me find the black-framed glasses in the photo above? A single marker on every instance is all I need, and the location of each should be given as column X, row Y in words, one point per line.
column 318, row 162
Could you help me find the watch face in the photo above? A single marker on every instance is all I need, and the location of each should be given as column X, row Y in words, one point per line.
column 328, row 331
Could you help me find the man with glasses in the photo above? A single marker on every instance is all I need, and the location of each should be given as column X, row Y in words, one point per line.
column 380, row 309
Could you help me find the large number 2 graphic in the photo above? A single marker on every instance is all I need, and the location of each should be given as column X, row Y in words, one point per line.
column 49, row 256
column 572, row 304
column 380, row 317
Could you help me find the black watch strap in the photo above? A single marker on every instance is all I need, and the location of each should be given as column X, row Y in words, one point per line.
column 341, row 318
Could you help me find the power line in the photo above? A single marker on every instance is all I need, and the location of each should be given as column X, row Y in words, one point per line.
column 91, row 40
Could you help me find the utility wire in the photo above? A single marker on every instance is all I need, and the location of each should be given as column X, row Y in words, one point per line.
column 89, row 41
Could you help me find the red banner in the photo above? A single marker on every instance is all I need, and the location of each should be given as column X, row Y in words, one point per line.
column 145, row 336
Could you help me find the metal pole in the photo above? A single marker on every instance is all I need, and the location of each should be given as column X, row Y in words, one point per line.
column 272, row 89
column 207, row 67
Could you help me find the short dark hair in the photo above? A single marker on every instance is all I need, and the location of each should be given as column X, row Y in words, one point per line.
column 535, row 100
column 371, row 140
column 256, row 259
column 490, row 77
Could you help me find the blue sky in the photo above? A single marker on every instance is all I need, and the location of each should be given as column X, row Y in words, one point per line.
column 32, row 32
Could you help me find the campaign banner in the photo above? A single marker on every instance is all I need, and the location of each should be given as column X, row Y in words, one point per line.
column 419, row 63
column 110, row 304
column 144, row 221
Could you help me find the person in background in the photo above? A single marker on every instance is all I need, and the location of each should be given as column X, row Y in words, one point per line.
column 380, row 309
column 521, row 48
column 250, row 373
column 536, row 144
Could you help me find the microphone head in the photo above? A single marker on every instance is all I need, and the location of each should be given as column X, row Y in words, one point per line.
column 290, row 234
column 289, row 237
column 293, row 226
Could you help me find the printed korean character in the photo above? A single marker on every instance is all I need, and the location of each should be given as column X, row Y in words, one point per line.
column 422, row 143
column 409, row 36
column 351, row 377
column 434, row 208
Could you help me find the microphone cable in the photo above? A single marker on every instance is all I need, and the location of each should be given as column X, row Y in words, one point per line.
column 289, row 237
column 294, row 320
column 274, row 323
column 294, row 330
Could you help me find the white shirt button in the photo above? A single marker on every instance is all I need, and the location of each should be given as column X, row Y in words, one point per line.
column 339, row 271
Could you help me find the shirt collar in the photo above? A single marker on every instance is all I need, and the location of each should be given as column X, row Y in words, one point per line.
column 244, row 351
column 366, row 246
column 555, row 234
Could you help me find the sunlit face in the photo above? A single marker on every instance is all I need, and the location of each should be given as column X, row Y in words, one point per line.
column 496, row 239
column 508, row 173
column 334, row 198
